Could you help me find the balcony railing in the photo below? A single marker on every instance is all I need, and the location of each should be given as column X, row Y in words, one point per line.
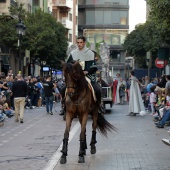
column 62, row 3
column 65, row 22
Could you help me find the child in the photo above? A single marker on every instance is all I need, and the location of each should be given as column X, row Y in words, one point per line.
column 152, row 99
column 122, row 93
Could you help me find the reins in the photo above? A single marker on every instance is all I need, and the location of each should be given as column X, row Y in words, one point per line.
column 76, row 85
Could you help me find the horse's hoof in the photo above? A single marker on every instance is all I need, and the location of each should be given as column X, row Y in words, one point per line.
column 63, row 160
column 93, row 149
column 81, row 159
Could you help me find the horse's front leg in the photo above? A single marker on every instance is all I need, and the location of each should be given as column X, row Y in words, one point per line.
column 93, row 138
column 83, row 145
column 64, row 150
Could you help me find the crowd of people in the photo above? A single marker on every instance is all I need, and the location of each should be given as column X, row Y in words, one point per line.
column 146, row 96
column 142, row 95
column 18, row 93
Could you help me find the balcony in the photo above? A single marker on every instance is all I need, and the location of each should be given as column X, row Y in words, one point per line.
column 66, row 23
column 63, row 3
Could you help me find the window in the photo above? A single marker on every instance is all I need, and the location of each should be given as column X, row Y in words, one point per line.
column 90, row 17
column 99, row 17
column 70, row 38
column 115, row 17
column 107, row 17
column 114, row 54
column 35, row 2
column 123, row 21
column 123, row 17
column 70, row 17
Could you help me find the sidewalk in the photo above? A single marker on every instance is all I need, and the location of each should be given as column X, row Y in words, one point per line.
column 136, row 146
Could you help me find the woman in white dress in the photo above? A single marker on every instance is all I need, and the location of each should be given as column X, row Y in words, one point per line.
column 135, row 103
column 117, row 98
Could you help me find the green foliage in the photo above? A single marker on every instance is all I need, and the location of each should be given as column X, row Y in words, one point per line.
column 160, row 15
column 134, row 45
column 45, row 38
column 152, row 35
column 8, row 32
column 18, row 10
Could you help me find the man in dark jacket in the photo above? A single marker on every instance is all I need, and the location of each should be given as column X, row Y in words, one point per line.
column 19, row 90
column 48, row 91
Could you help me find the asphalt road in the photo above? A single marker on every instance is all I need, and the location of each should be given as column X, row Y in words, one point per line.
column 36, row 144
column 30, row 145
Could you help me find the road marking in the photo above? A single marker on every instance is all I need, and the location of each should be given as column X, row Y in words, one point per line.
column 3, row 134
column 5, row 141
column 56, row 156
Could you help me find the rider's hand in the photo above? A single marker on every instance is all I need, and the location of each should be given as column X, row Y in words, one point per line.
column 85, row 72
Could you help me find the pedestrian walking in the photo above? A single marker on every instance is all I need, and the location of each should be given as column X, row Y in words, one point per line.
column 19, row 90
column 135, row 103
column 48, row 91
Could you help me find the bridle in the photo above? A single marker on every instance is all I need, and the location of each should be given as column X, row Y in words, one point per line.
column 74, row 96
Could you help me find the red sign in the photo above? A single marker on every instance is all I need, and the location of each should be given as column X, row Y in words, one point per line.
column 160, row 63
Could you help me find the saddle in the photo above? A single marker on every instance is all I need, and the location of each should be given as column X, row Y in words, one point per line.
column 91, row 88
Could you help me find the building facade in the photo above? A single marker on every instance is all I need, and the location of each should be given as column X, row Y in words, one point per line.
column 66, row 12
column 106, row 21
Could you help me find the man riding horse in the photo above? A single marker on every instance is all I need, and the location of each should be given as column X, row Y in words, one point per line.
column 87, row 61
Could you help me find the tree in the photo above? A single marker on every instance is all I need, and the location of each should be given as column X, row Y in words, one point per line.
column 144, row 38
column 45, row 38
column 8, row 32
column 7, row 26
column 134, row 45
column 160, row 15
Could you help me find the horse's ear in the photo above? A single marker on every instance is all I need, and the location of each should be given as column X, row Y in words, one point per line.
column 76, row 63
column 62, row 62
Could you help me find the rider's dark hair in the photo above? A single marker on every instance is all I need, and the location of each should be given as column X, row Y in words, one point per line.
column 82, row 38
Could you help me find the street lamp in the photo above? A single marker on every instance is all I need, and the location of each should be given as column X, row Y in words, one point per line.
column 20, row 28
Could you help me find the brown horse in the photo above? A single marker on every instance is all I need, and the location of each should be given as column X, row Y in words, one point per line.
column 80, row 101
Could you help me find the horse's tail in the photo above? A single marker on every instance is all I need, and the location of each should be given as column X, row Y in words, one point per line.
column 104, row 126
